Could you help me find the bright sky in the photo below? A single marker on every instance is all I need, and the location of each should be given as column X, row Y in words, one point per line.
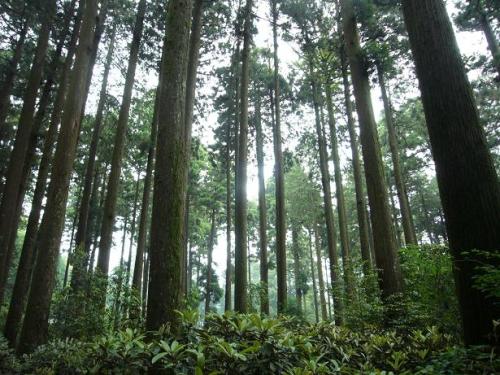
column 469, row 43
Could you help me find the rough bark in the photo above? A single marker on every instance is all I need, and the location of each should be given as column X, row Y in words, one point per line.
column 467, row 180
column 339, row 192
column 383, row 236
column 278, row 173
column 171, row 168
column 259, row 138
column 240, row 219
column 17, row 158
column 34, row 331
column 119, row 145
column 404, row 204
column 364, row 235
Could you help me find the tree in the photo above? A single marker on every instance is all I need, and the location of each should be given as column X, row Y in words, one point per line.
column 383, row 235
column 240, row 219
column 467, row 180
column 171, row 168
column 34, row 331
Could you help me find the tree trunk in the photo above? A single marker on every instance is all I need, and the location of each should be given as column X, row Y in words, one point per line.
column 364, row 235
column 17, row 158
column 339, row 191
column 119, row 144
column 84, row 213
column 210, row 249
column 278, row 173
column 34, row 331
column 327, row 195
column 491, row 39
column 384, row 243
column 240, row 220
column 297, row 267
column 171, row 168
column 228, row 293
column 146, row 194
column 10, row 77
column 259, row 138
column 322, row 300
column 404, row 204
column 467, row 180
column 132, row 229
column 315, row 288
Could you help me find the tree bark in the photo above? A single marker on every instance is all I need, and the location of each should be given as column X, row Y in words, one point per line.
column 240, row 220
column 119, row 144
column 171, row 168
column 467, row 180
column 228, row 292
column 278, row 173
column 297, row 267
column 17, row 158
column 404, row 204
column 390, row 280
column 491, row 39
column 339, row 191
column 259, row 139
column 315, row 288
column 211, row 240
column 322, row 300
column 34, row 331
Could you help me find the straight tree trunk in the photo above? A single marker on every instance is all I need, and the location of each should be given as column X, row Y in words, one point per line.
column 278, row 173
column 210, row 249
column 404, row 204
column 467, row 180
column 14, row 172
column 119, row 144
column 171, row 168
column 228, row 292
column 315, row 288
column 297, row 267
column 240, row 220
column 322, row 300
column 34, row 331
column 132, row 229
column 364, row 235
column 10, row 77
column 327, row 195
column 490, row 38
column 146, row 194
column 390, row 279
column 84, row 213
column 259, row 138
column 394, row 210
column 339, row 191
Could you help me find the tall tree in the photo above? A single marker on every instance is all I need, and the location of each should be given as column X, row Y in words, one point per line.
column 171, row 168
column 119, row 145
column 14, row 173
column 240, row 219
column 383, row 235
column 468, row 183
column 34, row 331
column 210, row 249
column 278, row 172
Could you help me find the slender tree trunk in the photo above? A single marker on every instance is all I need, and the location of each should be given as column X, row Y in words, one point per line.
column 34, row 331
column 384, row 243
column 397, row 231
column 171, row 168
column 327, row 195
column 297, row 267
column 132, row 229
column 211, row 241
column 240, row 220
column 264, row 300
column 118, row 293
column 404, row 204
column 467, row 180
column 278, row 173
column 84, row 213
column 228, row 292
column 315, row 288
column 322, row 300
column 339, row 191
column 119, row 144
column 146, row 194
column 17, row 158
column 145, row 284
column 364, row 235
column 10, row 77
column 491, row 39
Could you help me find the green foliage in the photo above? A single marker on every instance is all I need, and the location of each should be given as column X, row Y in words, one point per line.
column 250, row 344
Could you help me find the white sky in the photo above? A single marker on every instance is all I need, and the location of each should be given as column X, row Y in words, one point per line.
column 469, row 44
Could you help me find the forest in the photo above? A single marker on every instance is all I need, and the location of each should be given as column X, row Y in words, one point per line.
column 293, row 187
